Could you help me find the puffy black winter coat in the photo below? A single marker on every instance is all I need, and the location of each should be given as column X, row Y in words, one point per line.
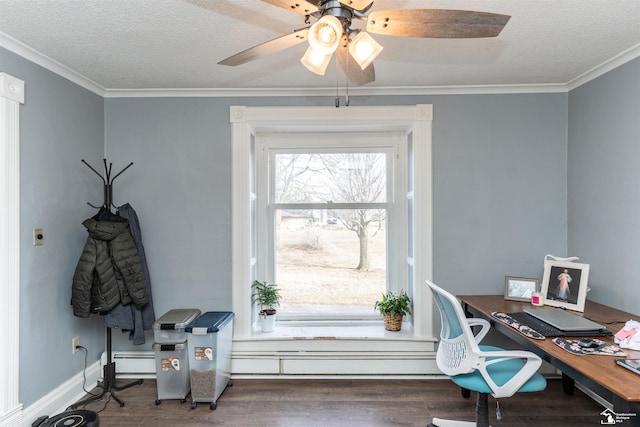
column 109, row 270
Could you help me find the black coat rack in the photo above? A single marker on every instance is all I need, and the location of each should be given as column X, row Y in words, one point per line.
column 108, row 384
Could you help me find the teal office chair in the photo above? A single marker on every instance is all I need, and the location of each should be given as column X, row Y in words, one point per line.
column 483, row 369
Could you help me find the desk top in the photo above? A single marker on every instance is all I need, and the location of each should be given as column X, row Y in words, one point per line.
column 598, row 368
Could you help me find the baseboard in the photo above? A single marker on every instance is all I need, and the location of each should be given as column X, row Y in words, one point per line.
column 132, row 364
column 142, row 364
column 59, row 399
column 12, row 418
column 333, row 366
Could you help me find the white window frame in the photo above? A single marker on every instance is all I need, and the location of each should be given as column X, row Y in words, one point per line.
column 389, row 143
column 247, row 123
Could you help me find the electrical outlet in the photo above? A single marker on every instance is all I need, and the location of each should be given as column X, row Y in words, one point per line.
column 75, row 342
column 37, row 237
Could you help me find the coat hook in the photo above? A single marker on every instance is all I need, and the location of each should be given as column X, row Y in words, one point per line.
column 107, row 183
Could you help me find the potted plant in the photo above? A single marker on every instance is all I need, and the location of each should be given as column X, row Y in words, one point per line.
column 393, row 307
column 267, row 295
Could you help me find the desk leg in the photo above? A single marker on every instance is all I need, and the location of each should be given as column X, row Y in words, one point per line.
column 568, row 385
column 627, row 413
column 465, row 392
column 465, row 308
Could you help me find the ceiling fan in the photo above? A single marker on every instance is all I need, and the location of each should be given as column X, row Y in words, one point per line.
column 356, row 49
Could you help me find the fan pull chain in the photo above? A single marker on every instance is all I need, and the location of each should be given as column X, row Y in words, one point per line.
column 498, row 412
column 346, row 75
column 337, row 86
column 346, row 96
column 346, row 71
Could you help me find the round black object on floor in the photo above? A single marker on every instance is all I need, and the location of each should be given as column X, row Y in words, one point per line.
column 74, row 418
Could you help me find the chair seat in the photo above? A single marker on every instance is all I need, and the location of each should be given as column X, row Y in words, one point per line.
column 500, row 373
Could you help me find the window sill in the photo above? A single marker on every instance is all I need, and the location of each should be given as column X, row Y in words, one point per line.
column 340, row 332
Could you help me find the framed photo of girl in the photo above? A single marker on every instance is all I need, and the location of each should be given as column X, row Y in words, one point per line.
column 564, row 284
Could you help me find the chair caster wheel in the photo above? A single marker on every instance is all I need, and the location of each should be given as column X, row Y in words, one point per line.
column 158, row 401
column 213, row 405
column 193, row 405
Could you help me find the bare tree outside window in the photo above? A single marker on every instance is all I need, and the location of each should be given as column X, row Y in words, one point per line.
column 330, row 229
column 358, row 178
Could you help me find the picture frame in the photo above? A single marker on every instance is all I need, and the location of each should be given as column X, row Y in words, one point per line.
column 564, row 284
column 520, row 288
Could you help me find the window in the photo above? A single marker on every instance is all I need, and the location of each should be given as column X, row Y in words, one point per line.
column 331, row 222
column 260, row 134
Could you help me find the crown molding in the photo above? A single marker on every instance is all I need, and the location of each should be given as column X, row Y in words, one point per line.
column 52, row 65
column 613, row 63
column 331, row 91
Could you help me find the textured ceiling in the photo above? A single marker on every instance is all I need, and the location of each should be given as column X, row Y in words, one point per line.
column 176, row 44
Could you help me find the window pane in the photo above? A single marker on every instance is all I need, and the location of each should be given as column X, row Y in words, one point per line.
column 336, row 177
column 322, row 266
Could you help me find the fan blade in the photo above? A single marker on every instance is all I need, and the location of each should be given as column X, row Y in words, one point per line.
column 357, row 4
column 436, row 23
column 267, row 48
column 355, row 74
column 301, row 7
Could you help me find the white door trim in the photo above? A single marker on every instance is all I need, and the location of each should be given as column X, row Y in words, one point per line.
column 11, row 96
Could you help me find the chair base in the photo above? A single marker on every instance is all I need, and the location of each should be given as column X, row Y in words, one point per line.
column 437, row 422
column 482, row 416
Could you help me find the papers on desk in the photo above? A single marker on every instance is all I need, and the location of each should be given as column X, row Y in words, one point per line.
column 628, row 336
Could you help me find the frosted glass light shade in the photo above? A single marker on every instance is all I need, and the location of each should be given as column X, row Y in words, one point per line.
column 315, row 61
column 364, row 49
column 325, row 34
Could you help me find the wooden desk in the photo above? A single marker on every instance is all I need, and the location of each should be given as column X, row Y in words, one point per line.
column 595, row 372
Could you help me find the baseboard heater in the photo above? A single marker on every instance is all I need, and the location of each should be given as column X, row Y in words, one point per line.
column 133, row 364
column 142, row 364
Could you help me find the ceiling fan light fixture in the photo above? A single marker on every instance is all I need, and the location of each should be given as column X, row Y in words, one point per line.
column 325, row 34
column 315, row 61
column 364, row 49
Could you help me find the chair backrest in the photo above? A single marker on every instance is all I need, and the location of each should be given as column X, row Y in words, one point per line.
column 458, row 352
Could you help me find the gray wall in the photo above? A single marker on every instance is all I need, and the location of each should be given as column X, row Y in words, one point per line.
column 604, row 184
column 499, row 188
column 500, row 195
column 60, row 123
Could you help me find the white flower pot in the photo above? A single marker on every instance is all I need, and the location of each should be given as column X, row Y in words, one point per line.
column 267, row 322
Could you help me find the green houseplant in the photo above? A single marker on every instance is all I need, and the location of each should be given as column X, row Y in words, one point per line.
column 267, row 296
column 393, row 308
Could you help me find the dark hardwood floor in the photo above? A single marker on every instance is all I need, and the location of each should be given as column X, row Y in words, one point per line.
column 343, row 402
